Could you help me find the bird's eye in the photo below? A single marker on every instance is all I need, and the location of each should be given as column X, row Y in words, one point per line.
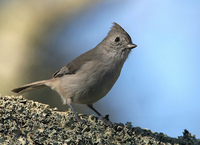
column 117, row 39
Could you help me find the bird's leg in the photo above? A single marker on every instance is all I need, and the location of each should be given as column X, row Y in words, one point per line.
column 91, row 107
column 76, row 115
column 104, row 119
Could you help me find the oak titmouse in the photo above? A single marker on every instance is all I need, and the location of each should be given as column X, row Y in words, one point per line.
column 89, row 77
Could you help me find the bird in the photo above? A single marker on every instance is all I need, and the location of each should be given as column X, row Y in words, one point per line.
column 90, row 76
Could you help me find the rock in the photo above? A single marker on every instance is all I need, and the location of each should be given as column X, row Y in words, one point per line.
column 24, row 121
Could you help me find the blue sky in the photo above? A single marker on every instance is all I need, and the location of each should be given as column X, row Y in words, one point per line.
column 159, row 87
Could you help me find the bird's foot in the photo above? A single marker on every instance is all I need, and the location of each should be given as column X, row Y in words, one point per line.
column 106, row 120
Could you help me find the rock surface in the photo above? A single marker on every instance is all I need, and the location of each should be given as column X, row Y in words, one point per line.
column 24, row 121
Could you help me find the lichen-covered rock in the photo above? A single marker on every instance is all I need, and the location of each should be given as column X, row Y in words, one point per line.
column 24, row 122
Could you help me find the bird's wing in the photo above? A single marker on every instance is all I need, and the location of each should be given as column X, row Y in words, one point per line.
column 70, row 68
column 74, row 65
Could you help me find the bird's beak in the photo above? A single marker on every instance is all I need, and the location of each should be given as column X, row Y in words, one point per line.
column 131, row 46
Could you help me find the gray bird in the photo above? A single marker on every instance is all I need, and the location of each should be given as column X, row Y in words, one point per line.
column 89, row 77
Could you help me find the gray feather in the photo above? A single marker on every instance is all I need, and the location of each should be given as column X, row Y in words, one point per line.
column 75, row 65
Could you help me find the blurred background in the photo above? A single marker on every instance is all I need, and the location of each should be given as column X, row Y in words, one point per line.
column 159, row 87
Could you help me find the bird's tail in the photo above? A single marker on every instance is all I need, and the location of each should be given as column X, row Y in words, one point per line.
column 31, row 86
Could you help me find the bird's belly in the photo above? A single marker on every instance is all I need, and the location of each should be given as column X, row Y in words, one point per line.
column 84, row 90
column 94, row 91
